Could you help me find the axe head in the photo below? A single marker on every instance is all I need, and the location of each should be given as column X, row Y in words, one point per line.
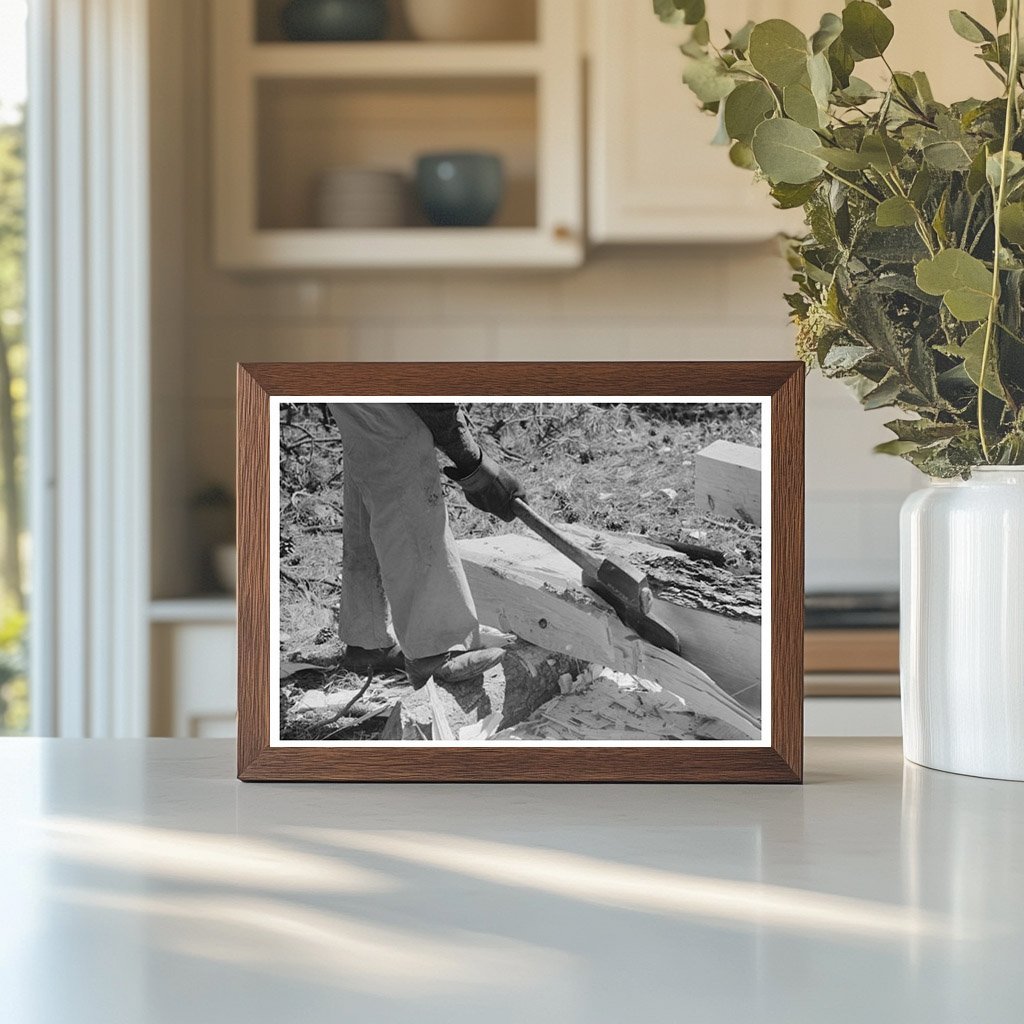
column 628, row 591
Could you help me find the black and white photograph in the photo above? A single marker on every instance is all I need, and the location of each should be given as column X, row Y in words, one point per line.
column 522, row 572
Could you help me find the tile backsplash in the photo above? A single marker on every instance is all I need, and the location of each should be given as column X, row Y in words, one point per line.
column 701, row 303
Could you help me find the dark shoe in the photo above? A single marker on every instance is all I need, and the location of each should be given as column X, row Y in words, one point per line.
column 452, row 666
column 375, row 659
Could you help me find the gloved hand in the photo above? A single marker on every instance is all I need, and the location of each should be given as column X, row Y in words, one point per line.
column 490, row 487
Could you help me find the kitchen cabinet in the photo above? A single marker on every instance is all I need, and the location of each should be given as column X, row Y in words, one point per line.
column 287, row 113
column 653, row 175
column 193, row 673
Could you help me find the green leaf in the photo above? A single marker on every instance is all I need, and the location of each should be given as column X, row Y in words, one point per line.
column 963, row 281
column 820, row 76
column 969, row 28
column 999, row 7
column 971, row 352
column 844, row 159
column 939, row 220
column 885, row 394
column 708, row 80
column 800, row 105
column 830, row 29
column 921, row 185
column 785, row 152
column 789, row 197
column 1012, row 226
column 895, row 447
column 858, row 91
column 745, row 108
column 947, row 156
column 866, row 29
column 976, row 173
column 883, row 153
column 741, row 155
column 896, row 212
column 841, row 60
column 906, row 88
column 778, row 50
column 923, row 431
column 739, row 41
column 1014, row 169
column 676, row 12
column 924, row 87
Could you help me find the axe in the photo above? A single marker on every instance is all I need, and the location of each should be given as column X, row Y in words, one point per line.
column 623, row 586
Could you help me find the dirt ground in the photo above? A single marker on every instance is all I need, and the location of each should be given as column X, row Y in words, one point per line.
column 618, row 468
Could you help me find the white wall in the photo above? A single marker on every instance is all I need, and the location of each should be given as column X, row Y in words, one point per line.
column 664, row 303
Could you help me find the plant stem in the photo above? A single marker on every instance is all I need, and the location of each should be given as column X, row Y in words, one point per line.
column 993, row 309
column 922, row 225
column 853, row 185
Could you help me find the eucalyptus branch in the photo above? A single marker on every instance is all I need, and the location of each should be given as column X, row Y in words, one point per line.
column 923, row 227
column 1000, row 199
column 853, row 185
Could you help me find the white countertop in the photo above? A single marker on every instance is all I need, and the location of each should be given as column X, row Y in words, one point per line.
column 143, row 885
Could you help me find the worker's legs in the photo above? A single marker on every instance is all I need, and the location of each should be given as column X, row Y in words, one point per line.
column 390, row 460
column 364, row 617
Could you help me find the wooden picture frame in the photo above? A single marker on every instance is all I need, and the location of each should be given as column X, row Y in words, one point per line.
column 779, row 755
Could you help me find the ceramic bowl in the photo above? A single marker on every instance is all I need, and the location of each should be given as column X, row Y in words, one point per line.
column 334, row 20
column 470, row 20
column 460, row 189
column 358, row 197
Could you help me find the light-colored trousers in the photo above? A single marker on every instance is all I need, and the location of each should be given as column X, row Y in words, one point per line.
column 401, row 575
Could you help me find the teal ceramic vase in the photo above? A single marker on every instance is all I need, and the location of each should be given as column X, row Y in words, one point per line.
column 334, row 20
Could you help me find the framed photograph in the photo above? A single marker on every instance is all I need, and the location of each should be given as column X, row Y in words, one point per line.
column 504, row 572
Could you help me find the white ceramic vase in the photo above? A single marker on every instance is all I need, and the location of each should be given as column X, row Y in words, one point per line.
column 962, row 624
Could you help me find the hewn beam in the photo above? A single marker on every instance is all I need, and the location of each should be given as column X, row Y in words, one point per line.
column 728, row 481
column 715, row 613
column 522, row 586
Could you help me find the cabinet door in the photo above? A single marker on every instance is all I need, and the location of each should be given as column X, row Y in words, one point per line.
column 286, row 113
column 654, row 175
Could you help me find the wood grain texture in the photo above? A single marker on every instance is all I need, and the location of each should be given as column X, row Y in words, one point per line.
column 715, row 614
column 781, row 762
column 787, row 568
column 522, row 586
column 728, row 481
column 252, row 485
column 852, row 650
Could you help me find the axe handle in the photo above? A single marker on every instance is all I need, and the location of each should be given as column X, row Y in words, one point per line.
column 584, row 559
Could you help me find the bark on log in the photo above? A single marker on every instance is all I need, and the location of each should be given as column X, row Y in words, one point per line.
column 715, row 613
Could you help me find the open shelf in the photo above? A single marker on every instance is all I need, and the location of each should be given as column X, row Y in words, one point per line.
column 287, row 113
column 520, row 15
column 393, row 60
column 308, row 127
column 407, row 248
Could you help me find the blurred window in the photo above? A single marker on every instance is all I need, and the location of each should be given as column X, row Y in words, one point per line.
column 14, row 546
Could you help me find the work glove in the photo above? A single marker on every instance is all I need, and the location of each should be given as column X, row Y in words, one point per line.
column 490, row 487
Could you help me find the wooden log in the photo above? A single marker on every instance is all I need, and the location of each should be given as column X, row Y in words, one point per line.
column 715, row 613
column 522, row 586
column 526, row 679
column 728, row 481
